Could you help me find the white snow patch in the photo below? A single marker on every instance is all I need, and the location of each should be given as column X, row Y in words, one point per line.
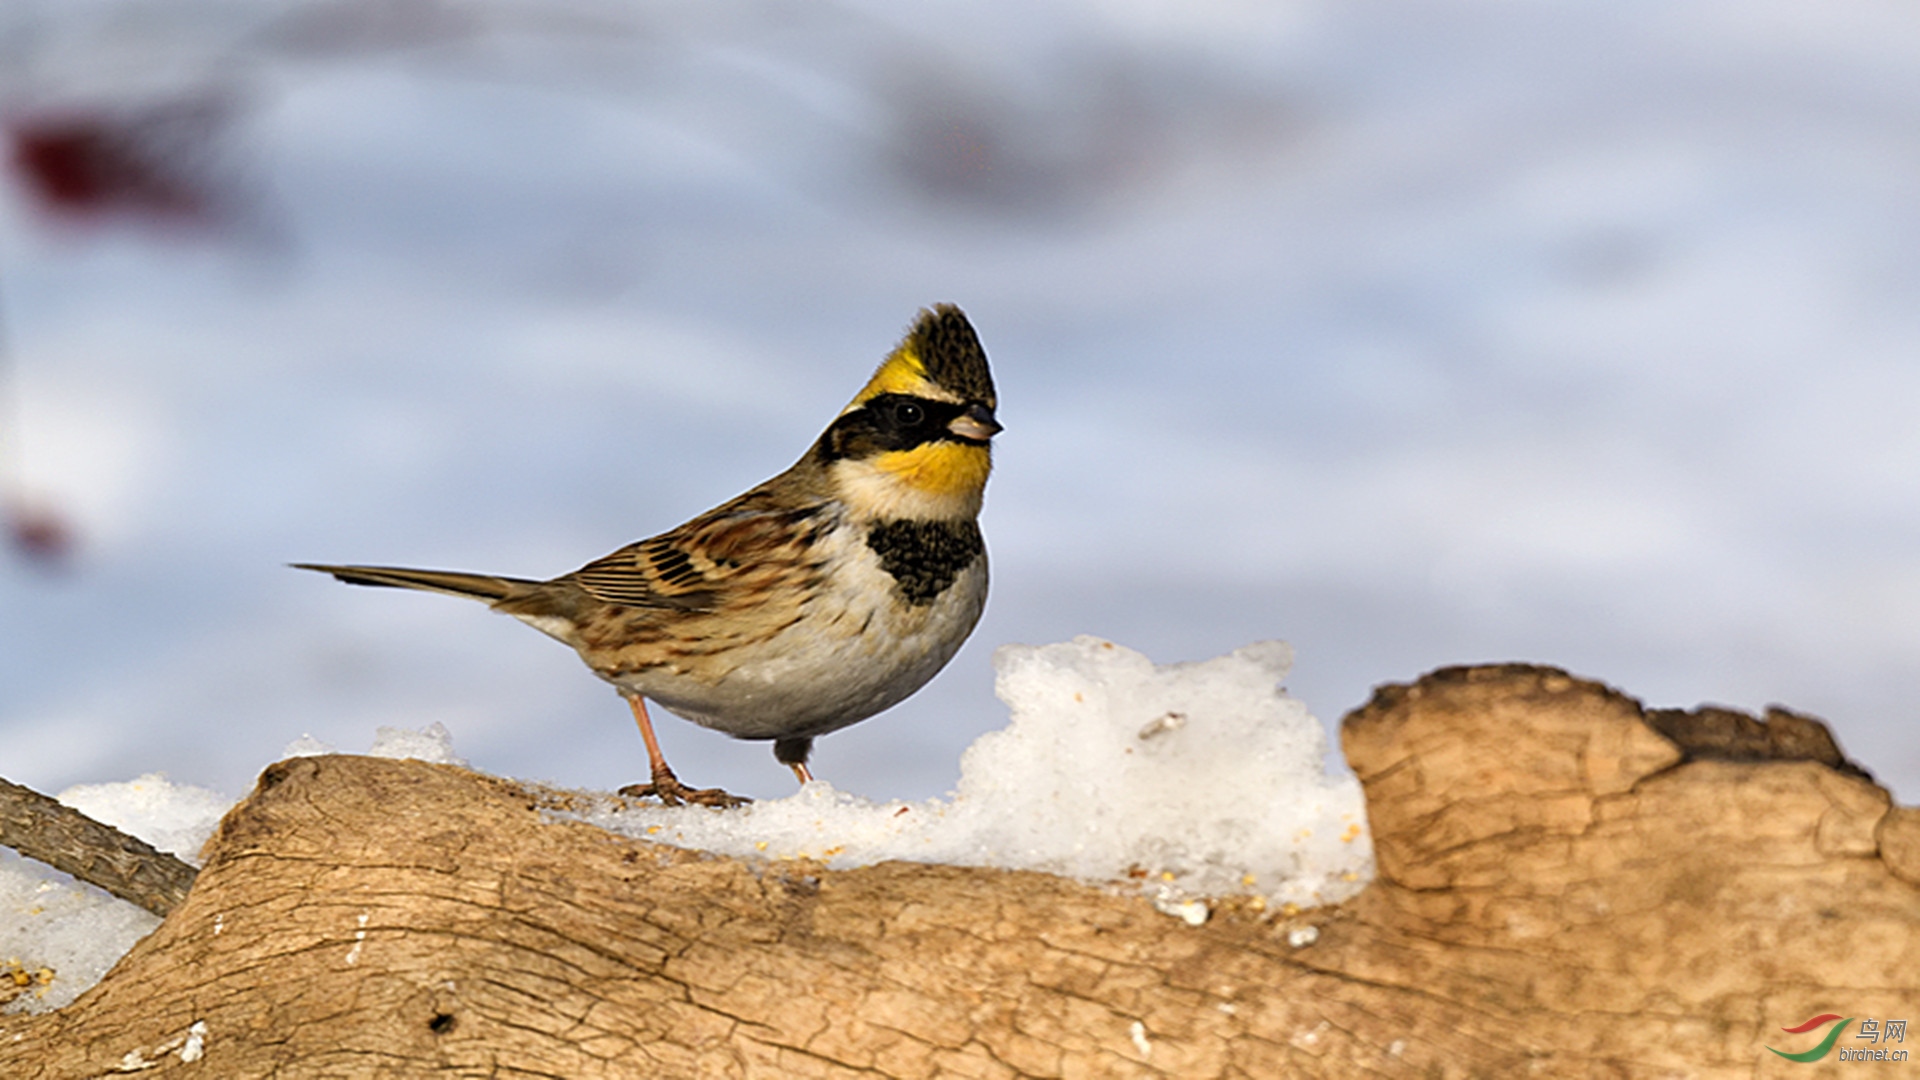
column 308, row 746
column 1188, row 781
column 176, row 818
column 1191, row 912
column 74, row 931
column 433, row 744
column 359, row 940
column 195, row 1047
column 1137, row 1031
column 50, row 922
column 77, row 932
column 1194, row 780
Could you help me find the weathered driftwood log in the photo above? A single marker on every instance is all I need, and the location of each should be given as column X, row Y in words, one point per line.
column 1563, row 891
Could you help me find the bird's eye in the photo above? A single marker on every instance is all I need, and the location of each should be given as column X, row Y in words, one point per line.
column 908, row 414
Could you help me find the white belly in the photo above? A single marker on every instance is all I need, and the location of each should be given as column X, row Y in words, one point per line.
column 857, row 649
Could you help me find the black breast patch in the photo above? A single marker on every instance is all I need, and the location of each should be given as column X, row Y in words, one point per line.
column 925, row 556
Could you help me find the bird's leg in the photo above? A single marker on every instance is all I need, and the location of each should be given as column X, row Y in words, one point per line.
column 793, row 754
column 665, row 786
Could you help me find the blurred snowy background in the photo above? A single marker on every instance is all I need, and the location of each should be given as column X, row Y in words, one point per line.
column 1414, row 333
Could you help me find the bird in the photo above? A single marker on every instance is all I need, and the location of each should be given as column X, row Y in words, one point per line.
column 823, row 596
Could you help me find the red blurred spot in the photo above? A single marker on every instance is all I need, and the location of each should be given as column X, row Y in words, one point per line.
column 152, row 162
column 40, row 535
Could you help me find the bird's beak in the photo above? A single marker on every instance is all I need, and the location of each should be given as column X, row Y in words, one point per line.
column 975, row 425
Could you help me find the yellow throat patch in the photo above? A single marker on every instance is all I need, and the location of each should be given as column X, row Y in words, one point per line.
column 943, row 470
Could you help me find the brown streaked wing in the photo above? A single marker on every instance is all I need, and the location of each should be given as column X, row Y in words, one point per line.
column 695, row 567
column 628, row 578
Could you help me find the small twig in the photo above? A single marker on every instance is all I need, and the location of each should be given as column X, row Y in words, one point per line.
column 73, row 843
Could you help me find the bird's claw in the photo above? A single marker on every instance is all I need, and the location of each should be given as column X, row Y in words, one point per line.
column 671, row 792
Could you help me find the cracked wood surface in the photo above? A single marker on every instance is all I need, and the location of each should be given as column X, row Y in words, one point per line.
column 1564, row 890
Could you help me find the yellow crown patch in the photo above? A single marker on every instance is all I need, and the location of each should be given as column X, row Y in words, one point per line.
column 902, row 372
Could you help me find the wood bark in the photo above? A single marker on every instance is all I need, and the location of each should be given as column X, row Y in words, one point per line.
column 1564, row 890
column 73, row 843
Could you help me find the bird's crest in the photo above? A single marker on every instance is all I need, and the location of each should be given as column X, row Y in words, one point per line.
column 940, row 358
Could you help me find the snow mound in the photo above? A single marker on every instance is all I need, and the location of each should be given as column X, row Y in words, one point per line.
column 62, row 936
column 308, row 746
column 1189, row 781
column 1197, row 780
column 432, row 744
column 176, row 818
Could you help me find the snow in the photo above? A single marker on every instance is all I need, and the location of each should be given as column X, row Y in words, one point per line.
column 175, row 818
column 434, row 743
column 75, row 932
column 1417, row 332
column 307, row 746
column 50, row 922
column 1185, row 781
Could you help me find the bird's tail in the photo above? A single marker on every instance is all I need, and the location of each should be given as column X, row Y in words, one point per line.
column 485, row 587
